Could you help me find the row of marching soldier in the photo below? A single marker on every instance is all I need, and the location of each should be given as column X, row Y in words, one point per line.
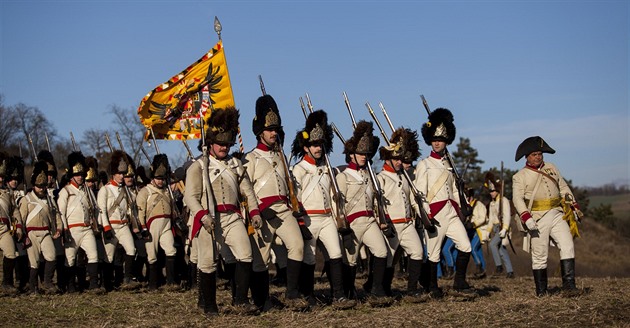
column 237, row 206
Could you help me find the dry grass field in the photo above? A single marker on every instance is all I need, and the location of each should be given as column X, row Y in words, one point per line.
column 602, row 266
column 504, row 302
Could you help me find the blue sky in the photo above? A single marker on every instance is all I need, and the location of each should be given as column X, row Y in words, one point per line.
column 506, row 69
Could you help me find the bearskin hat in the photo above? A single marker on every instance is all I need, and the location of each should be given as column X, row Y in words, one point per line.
column 4, row 161
column 160, row 167
column 47, row 157
column 397, row 147
column 316, row 131
column 531, row 145
column 15, row 169
column 92, row 169
column 362, row 141
column 76, row 164
column 118, row 163
column 412, row 149
column 39, row 177
column 222, row 126
column 492, row 183
column 440, row 127
column 267, row 116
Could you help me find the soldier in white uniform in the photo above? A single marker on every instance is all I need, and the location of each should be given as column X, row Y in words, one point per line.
column 538, row 192
column 132, row 185
column 155, row 213
column 500, row 226
column 315, row 194
column 435, row 179
column 478, row 231
column 354, row 183
column 228, row 180
column 42, row 222
column 264, row 166
column 77, row 206
column 402, row 208
column 9, row 219
column 113, row 202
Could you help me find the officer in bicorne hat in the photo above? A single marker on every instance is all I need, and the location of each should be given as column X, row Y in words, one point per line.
column 542, row 197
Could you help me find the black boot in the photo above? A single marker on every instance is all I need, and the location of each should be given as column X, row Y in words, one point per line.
column 280, row 279
column 378, row 295
column 367, row 285
column 92, row 272
column 208, row 293
column 568, row 278
column 307, row 280
column 22, row 272
column 292, row 297
column 241, row 278
column 434, row 290
column 138, row 266
column 119, row 276
column 459, row 282
column 70, row 285
column 153, row 276
column 81, row 274
column 260, row 288
column 349, row 274
column 32, row 281
column 230, row 269
column 335, row 277
column 540, row 278
column 192, row 268
column 388, row 279
column 128, row 283
column 293, row 279
column 60, row 269
column 107, row 276
column 413, row 270
column 414, row 295
column 49, row 271
column 170, row 273
column 425, row 275
column 8, row 266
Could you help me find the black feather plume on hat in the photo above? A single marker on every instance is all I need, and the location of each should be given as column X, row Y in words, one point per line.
column 440, row 127
column 362, row 141
column 47, row 157
column 316, row 131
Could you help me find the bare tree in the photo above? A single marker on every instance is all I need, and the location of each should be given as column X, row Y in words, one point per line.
column 8, row 125
column 127, row 124
column 94, row 140
column 32, row 122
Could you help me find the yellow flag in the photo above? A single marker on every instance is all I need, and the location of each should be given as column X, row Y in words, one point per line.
column 175, row 108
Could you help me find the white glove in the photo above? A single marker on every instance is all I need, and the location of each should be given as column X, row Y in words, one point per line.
column 208, row 223
column 503, row 233
column 531, row 224
column 256, row 221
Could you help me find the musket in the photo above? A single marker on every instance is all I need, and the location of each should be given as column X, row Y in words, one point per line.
column 294, row 203
column 385, row 223
column 336, row 130
column 341, row 218
column 417, row 194
column 23, row 179
column 188, row 151
column 177, row 216
column 466, row 209
column 507, row 234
